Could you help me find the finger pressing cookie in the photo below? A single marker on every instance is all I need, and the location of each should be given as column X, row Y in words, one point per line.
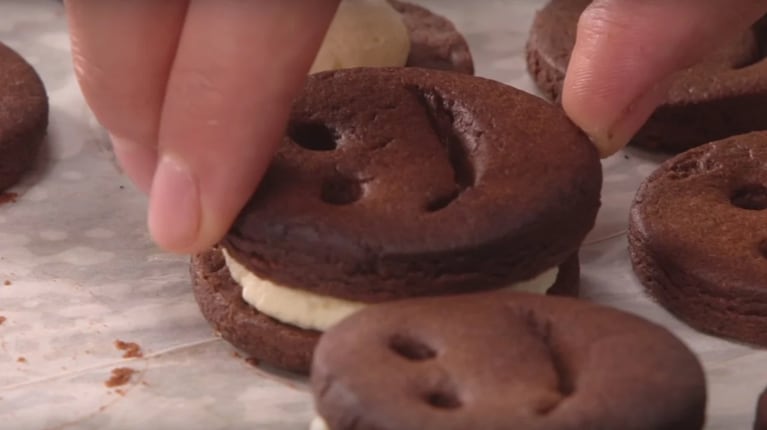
column 504, row 361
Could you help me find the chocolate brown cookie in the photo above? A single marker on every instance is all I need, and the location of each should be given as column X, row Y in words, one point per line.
column 722, row 96
column 435, row 42
column 403, row 182
column 269, row 340
column 698, row 237
column 761, row 413
column 23, row 116
column 504, row 361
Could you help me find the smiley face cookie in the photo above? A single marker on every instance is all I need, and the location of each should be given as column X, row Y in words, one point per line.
column 397, row 183
column 23, row 116
column 504, row 361
column 698, row 237
column 724, row 95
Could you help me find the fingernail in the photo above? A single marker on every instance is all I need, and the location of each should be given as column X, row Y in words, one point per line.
column 633, row 117
column 174, row 206
column 138, row 162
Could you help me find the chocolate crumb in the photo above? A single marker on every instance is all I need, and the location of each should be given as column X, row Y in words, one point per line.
column 626, row 157
column 8, row 198
column 2, row 319
column 253, row 361
column 21, row 360
column 132, row 349
column 7, row 283
column 120, row 392
column 236, row 354
column 120, row 376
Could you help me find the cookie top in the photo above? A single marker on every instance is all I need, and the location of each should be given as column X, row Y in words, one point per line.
column 23, row 116
column 401, row 182
column 435, row 43
column 698, row 236
column 503, row 361
column 735, row 69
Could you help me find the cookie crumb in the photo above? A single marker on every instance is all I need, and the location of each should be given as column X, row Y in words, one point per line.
column 120, row 392
column 7, row 283
column 21, row 360
column 253, row 361
column 236, row 354
column 626, row 156
column 8, row 198
column 132, row 349
column 2, row 319
column 120, row 376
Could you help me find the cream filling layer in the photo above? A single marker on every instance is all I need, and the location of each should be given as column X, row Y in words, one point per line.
column 312, row 311
column 364, row 33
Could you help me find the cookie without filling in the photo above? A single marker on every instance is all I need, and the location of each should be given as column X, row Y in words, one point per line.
column 504, row 361
column 23, row 116
column 698, row 237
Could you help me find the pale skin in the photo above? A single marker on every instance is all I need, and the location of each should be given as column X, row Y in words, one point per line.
column 195, row 93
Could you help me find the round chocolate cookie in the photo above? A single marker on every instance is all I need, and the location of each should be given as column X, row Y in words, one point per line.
column 724, row 95
column 698, row 237
column 435, row 42
column 271, row 341
column 761, row 413
column 504, row 361
column 23, row 116
column 402, row 182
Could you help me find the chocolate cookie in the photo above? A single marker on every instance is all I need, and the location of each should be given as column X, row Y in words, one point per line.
column 722, row 96
column 698, row 237
column 504, row 361
column 435, row 42
column 403, row 182
column 23, row 116
column 761, row 413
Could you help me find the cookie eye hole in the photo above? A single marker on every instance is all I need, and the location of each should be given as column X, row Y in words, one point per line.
column 411, row 349
column 763, row 248
column 341, row 190
column 313, row 136
column 443, row 400
column 750, row 197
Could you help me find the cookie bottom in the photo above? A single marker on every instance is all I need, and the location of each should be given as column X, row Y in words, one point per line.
column 761, row 413
column 270, row 341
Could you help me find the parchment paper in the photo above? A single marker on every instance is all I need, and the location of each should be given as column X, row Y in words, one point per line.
column 83, row 272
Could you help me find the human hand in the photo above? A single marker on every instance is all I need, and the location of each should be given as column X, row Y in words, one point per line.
column 626, row 50
column 195, row 95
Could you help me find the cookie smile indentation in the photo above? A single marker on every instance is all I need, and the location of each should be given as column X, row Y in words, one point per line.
column 341, row 190
column 313, row 136
column 411, row 348
column 750, row 197
column 442, row 399
column 443, row 122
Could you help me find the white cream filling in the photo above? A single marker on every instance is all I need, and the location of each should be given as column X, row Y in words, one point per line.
column 364, row 33
column 312, row 311
column 318, row 423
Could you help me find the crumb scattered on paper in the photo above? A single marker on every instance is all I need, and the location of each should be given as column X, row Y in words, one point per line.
column 253, row 361
column 120, row 376
column 132, row 349
column 120, row 392
column 236, row 354
column 2, row 319
column 7, row 283
column 8, row 198
column 21, row 360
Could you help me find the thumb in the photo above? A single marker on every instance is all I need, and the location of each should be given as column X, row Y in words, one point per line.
column 627, row 50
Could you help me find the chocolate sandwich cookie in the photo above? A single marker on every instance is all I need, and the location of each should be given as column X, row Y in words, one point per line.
column 504, row 361
column 435, row 43
column 23, row 116
column 396, row 183
column 722, row 96
column 761, row 413
column 698, row 237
